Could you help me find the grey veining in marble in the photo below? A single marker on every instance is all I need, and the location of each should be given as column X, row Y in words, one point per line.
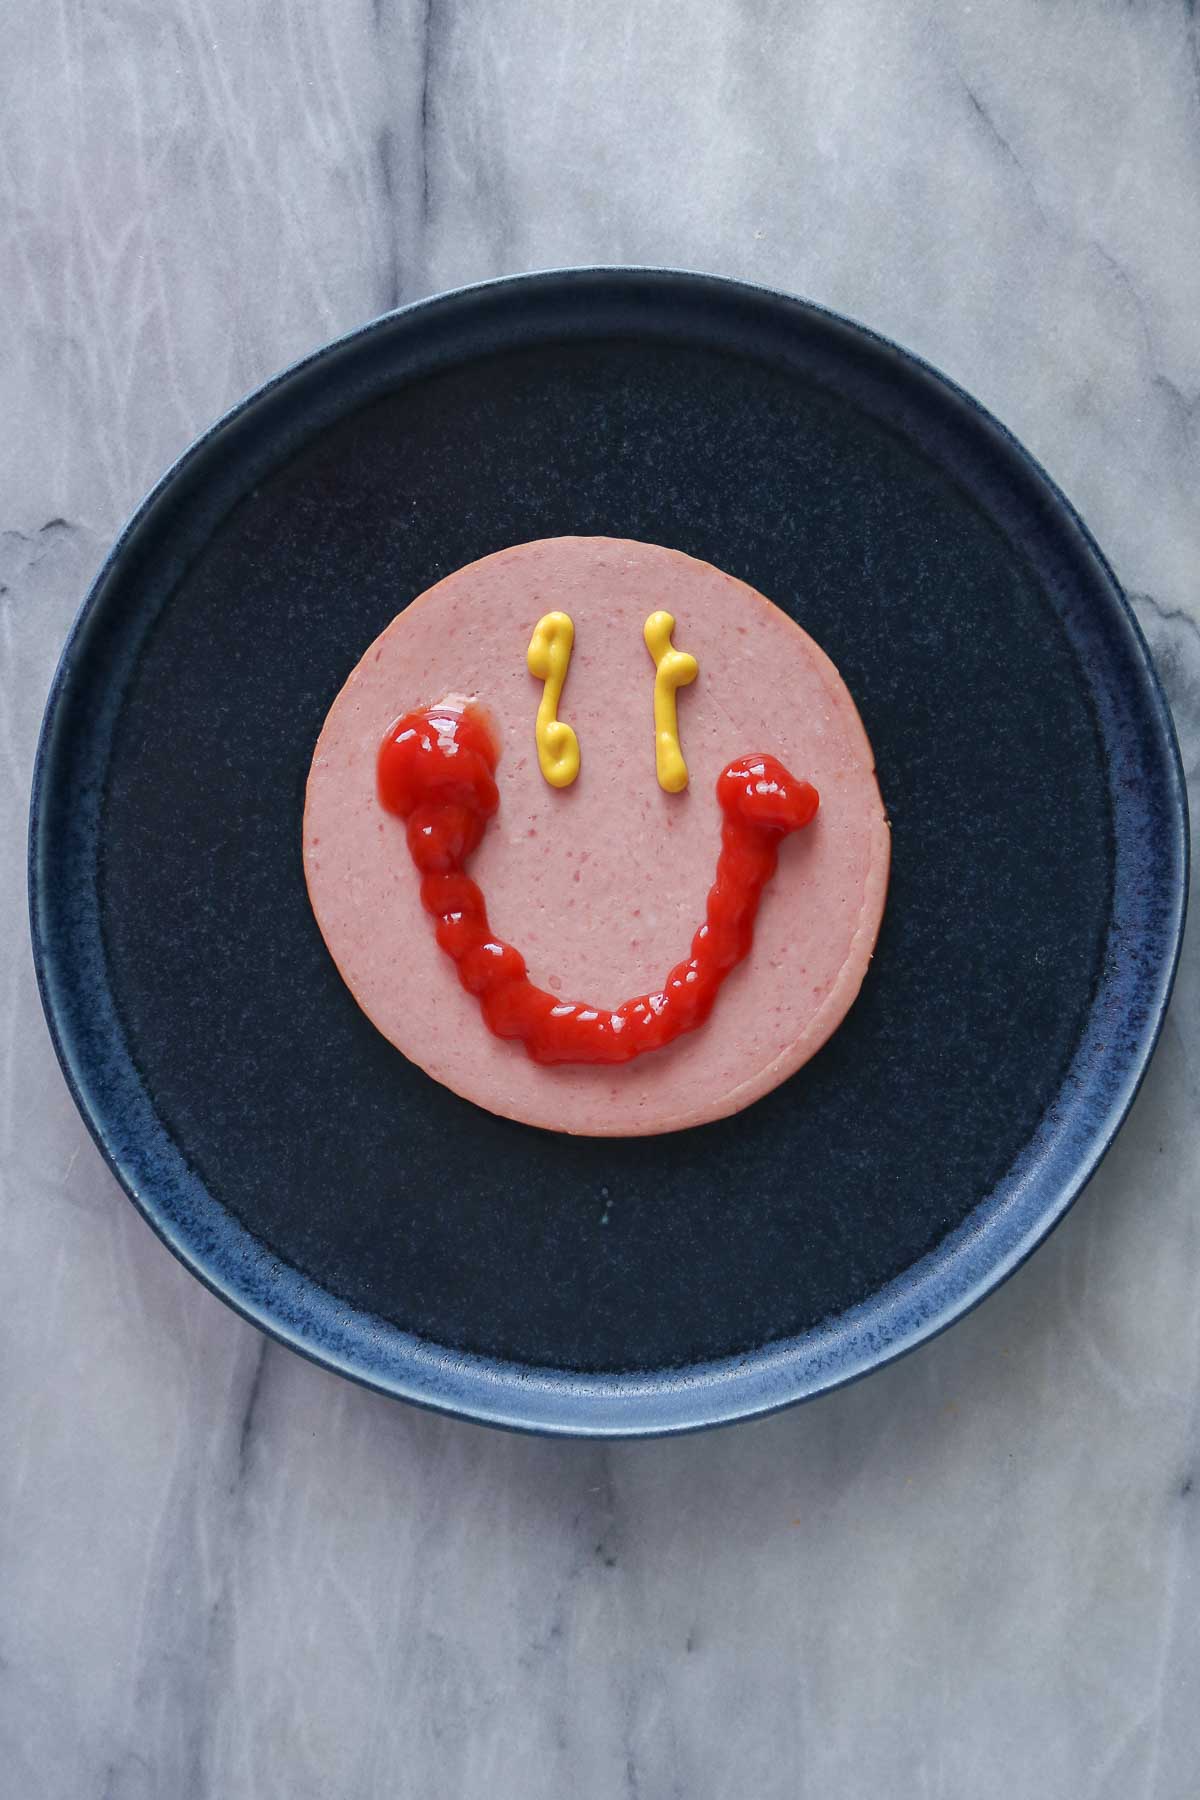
column 224, row 1573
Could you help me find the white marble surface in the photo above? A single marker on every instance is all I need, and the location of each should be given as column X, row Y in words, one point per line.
column 224, row 1573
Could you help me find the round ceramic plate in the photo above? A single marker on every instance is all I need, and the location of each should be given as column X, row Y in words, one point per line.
column 332, row 1192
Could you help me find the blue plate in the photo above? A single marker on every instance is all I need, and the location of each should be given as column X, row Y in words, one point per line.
column 350, row 1206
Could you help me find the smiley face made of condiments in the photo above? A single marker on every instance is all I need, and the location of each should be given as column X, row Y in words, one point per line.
column 600, row 880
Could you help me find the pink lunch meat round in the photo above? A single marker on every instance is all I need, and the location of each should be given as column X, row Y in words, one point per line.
column 601, row 885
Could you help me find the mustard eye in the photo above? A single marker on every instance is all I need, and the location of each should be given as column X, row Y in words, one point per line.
column 548, row 658
column 673, row 669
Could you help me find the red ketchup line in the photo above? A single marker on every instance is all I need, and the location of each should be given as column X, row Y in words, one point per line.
column 436, row 770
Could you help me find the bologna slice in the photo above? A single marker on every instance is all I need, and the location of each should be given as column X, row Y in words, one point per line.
column 601, row 885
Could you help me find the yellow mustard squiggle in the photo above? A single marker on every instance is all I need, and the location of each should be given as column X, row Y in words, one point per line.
column 673, row 669
column 548, row 656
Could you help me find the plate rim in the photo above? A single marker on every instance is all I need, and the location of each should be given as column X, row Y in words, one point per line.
column 668, row 1401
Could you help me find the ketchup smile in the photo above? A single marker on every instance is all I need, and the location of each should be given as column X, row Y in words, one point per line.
column 436, row 770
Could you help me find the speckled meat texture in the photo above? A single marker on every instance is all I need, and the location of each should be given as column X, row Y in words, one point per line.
column 601, row 885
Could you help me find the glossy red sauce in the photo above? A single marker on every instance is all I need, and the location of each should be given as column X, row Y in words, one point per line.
column 436, row 770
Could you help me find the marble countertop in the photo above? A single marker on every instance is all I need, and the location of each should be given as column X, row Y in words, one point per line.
column 226, row 1573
